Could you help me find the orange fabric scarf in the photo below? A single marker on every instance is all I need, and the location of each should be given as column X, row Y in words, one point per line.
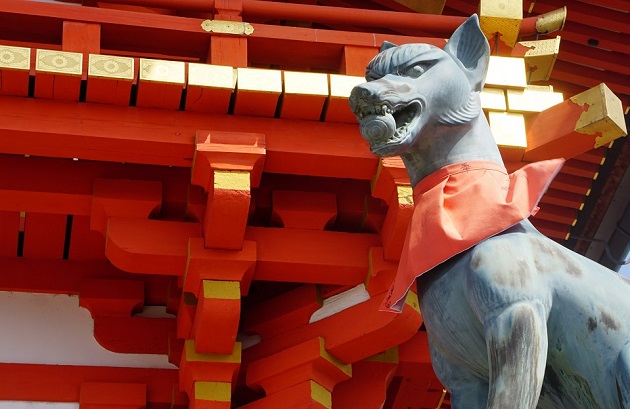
column 461, row 205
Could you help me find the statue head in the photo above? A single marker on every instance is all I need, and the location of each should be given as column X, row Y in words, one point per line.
column 413, row 89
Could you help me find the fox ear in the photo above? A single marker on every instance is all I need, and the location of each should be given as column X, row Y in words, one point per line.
column 386, row 45
column 469, row 46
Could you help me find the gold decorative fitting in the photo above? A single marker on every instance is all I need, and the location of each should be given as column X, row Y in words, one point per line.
column 259, row 80
column 508, row 129
column 341, row 85
column 108, row 66
column 493, row 98
column 211, row 76
column 551, row 21
column 173, row 72
column 305, row 83
column 506, row 72
column 227, row 27
column 17, row 58
column 532, row 100
column 540, row 58
column 604, row 116
column 502, row 17
column 59, row 62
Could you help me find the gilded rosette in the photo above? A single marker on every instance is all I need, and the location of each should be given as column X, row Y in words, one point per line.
column 59, row 62
column 108, row 66
column 15, row 58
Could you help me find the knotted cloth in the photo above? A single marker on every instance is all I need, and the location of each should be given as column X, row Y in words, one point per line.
column 461, row 205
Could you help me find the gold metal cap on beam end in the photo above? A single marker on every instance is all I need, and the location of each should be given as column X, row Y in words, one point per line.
column 551, row 21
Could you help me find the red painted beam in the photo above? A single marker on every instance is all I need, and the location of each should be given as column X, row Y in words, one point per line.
column 148, row 136
column 62, row 383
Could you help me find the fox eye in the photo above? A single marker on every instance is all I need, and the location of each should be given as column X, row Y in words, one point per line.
column 415, row 71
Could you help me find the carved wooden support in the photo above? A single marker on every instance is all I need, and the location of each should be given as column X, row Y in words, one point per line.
column 305, row 362
column 396, row 222
column 217, row 264
column 272, row 317
column 123, row 198
column 217, row 316
column 208, row 378
column 111, row 297
column 352, row 334
column 227, row 164
column 149, row 246
column 307, row 394
column 367, row 389
column 391, row 184
column 381, row 273
column 304, row 210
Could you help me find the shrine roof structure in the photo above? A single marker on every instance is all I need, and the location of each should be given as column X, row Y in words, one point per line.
column 201, row 156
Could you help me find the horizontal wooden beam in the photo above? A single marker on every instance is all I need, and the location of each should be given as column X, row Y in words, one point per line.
column 62, row 383
column 158, row 137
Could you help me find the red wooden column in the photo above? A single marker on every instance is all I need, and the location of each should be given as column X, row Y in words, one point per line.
column 220, row 268
column 225, row 48
column 302, row 376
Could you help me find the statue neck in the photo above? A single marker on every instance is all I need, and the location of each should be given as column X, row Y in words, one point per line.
column 447, row 144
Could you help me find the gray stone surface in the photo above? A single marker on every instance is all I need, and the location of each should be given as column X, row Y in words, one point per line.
column 518, row 321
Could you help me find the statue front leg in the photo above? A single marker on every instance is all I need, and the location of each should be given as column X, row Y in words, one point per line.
column 468, row 391
column 517, row 350
column 623, row 377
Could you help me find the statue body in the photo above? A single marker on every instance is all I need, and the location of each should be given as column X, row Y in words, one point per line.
column 517, row 321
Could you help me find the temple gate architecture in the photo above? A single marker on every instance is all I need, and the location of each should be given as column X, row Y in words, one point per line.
column 189, row 217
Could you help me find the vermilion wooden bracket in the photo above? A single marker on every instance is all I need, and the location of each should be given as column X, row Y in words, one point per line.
column 370, row 379
column 227, row 165
column 208, row 378
column 299, row 365
column 271, row 317
column 419, row 383
column 391, row 184
column 216, row 264
column 304, row 210
column 111, row 297
column 353, row 334
column 123, row 198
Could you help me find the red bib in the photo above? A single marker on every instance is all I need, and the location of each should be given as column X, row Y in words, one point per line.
column 461, row 205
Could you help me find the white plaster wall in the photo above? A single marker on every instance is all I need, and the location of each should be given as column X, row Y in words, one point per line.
column 52, row 329
column 14, row 404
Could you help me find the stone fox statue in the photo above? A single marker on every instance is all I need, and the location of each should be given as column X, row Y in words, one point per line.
column 514, row 320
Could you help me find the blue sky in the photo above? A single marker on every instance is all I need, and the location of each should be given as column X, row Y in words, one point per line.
column 625, row 270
